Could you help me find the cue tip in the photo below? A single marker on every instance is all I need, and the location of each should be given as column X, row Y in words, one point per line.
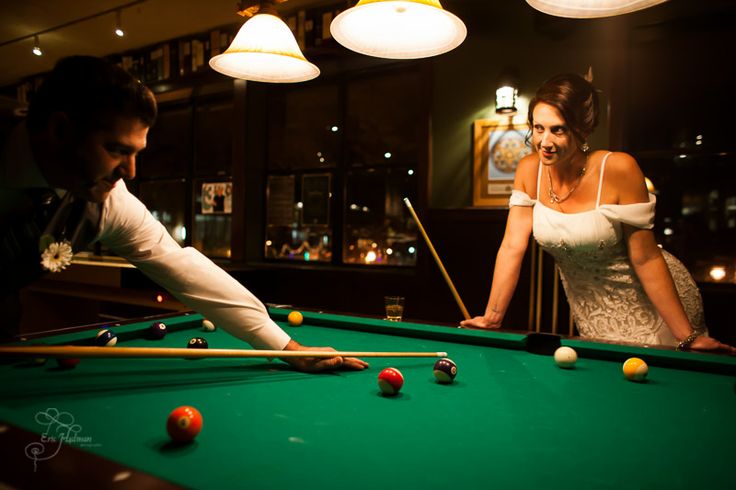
column 442, row 354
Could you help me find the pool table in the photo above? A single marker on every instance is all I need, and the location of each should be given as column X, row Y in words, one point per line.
column 511, row 419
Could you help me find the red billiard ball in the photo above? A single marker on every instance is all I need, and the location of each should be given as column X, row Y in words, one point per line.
column 390, row 381
column 184, row 423
column 67, row 362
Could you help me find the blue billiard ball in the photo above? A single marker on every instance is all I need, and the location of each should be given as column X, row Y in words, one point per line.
column 445, row 370
column 106, row 338
column 157, row 330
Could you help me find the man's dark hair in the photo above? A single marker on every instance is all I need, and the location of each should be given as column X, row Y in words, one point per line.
column 92, row 92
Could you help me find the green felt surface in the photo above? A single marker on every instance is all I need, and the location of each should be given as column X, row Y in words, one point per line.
column 512, row 419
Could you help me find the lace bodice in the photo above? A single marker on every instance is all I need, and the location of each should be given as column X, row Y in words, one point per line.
column 606, row 298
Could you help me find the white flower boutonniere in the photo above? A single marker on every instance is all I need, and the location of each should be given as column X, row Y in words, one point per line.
column 57, row 256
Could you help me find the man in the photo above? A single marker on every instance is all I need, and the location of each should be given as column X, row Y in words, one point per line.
column 85, row 126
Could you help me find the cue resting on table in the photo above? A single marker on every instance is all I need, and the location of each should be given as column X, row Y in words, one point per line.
column 154, row 352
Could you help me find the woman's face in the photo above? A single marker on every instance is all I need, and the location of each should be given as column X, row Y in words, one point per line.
column 551, row 137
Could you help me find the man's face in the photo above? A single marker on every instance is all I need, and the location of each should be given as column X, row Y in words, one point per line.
column 99, row 159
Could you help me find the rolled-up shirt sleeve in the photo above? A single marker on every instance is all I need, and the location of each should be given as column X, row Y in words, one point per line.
column 129, row 230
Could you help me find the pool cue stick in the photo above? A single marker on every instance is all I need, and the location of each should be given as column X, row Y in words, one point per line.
column 77, row 351
column 459, row 301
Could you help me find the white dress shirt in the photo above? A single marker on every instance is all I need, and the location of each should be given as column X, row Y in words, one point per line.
column 129, row 229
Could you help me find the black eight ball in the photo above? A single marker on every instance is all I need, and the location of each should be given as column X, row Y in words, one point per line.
column 197, row 343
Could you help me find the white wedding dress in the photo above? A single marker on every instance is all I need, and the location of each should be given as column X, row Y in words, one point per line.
column 606, row 297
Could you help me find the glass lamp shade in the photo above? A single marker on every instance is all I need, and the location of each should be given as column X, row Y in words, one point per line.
column 506, row 100
column 588, row 9
column 264, row 50
column 398, row 29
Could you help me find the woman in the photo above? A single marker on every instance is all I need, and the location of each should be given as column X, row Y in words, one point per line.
column 592, row 212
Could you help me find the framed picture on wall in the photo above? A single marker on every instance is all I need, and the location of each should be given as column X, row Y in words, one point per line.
column 217, row 198
column 498, row 145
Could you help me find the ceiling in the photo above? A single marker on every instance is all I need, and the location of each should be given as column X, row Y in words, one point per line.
column 145, row 23
column 152, row 21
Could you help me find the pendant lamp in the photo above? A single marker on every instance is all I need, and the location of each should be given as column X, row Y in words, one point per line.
column 398, row 29
column 587, row 9
column 264, row 50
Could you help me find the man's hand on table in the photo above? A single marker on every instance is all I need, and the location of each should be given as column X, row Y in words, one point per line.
column 317, row 364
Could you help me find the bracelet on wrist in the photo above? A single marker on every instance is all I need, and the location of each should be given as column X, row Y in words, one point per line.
column 688, row 341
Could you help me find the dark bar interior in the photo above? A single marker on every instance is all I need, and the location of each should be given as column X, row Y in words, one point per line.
column 296, row 189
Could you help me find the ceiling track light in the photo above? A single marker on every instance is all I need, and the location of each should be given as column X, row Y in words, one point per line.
column 37, row 46
column 119, row 23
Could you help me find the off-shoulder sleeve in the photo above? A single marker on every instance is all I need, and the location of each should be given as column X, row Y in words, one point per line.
column 638, row 215
column 520, row 198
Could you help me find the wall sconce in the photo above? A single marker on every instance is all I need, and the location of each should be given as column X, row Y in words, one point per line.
column 507, row 91
column 392, row 29
column 588, row 9
column 37, row 46
column 264, row 50
column 119, row 24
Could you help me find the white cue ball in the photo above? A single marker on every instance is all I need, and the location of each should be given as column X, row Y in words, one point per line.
column 565, row 357
column 208, row 326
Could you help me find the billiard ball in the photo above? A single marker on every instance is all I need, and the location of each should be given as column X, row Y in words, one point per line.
column 635, row 369
column 67, row 362
column 208, row 326
column 390, row 381
column 445, row 370
column 106, row 338
column 197, row 343
column 566, row 357
column 157, row 330
column 295, row 318
column 184, row 423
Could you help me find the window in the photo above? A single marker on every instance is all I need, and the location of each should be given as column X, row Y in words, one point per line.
column 342, row 155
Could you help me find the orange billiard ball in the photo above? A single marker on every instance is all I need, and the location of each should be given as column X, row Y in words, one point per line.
column 635, row 369
column 295, row 318
column 184, row 423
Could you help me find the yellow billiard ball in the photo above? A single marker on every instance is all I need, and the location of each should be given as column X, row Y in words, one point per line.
column 295, row 318
column 635, row 369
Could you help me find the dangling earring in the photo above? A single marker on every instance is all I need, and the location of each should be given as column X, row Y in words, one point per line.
column 585, row 147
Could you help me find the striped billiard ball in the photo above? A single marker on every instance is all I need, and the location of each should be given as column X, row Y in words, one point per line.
column 390, row 381
column 106, row 338
column 445, row 370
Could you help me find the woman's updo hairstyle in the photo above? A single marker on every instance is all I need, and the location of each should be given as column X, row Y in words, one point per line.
column 575, row 98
